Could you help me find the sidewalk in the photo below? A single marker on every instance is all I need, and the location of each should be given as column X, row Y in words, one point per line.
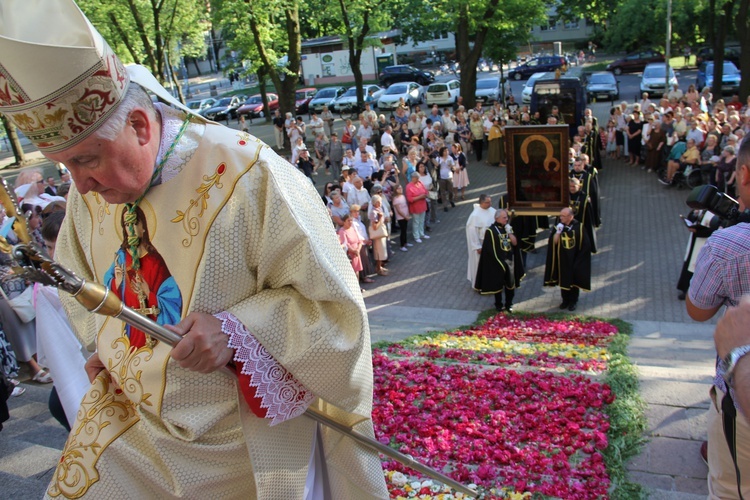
column 633, row 277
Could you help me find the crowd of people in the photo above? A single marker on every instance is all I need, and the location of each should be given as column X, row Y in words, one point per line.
column 681, row 134
column 23, row 335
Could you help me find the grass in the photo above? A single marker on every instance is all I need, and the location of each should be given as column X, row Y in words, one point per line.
column 626, row 414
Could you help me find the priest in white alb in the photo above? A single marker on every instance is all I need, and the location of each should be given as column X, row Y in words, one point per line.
column 480, row 219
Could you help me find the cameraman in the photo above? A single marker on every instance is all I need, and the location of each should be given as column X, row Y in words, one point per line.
column 722, row 276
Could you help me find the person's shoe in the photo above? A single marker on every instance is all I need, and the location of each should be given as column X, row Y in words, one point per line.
column 428, row 229
column 681, row 296
column 572, row 307
column 453, row 205
column 426, row 237
column 704, row 452
column 664, row 181
column 564, row 305
column 509, row 308
column 410, row 244
column 440, row 201
column 649, row 170
column 445, row 209
column 404, row 249
column 315, row 173
column 17, row 391
column 418, row 240
column 42, row 377
column 437, row 221
column 499, row 308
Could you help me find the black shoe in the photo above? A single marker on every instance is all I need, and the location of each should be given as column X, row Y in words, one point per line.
column 509, row 308
column 681, row 296
column 499, row 308
column 564, row 305
column 428, row 229
column 572, row 307
column 453, row 205
column 440, row 201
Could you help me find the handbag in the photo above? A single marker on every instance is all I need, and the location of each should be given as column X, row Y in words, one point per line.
column 346, row 138
column 433, row 195
column 22, row 304
column 380, row 232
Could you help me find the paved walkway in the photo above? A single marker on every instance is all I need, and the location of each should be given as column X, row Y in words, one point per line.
column 641, row 248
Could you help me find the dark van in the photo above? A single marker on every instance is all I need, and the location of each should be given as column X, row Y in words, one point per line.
column 568, row 93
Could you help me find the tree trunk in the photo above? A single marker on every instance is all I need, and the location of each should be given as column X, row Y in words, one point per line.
column 215, row 47
column 469, row 56
column 261, row 73
column 194, row 60
column 719, row 42
column 742, row 21
column 15, row 142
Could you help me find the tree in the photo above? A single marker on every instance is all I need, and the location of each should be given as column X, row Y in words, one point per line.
column 266, row 32
column 149, row 31
column 742, row 24
column 360, row 18
column 15, row 143
column 473, row 22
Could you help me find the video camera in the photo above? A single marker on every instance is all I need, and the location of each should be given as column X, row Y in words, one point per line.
column 714, row 209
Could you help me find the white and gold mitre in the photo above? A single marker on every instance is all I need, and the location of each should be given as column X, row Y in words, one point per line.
column 59, row 80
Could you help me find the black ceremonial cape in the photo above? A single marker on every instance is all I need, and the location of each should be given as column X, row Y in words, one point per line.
column 569, row 260
column 500, row 263
column 589, row 178
column 584, row 213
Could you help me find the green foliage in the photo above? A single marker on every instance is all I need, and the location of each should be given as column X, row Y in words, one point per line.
column 150, row 31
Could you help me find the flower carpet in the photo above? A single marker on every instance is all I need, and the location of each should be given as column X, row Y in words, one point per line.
column 519, row 406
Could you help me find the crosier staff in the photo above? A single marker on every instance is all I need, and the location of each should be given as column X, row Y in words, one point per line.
column 37, row 267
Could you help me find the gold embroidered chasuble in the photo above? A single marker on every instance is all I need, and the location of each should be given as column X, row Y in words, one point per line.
column 239, row 230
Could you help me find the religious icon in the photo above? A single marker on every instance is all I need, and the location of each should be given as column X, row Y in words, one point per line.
column 140, row 278
column 537, row 168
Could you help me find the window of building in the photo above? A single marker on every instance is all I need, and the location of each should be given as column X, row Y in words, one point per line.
column 572, row 25
column 552, row 21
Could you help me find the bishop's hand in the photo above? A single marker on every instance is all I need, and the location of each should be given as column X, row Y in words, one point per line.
column 203, row 347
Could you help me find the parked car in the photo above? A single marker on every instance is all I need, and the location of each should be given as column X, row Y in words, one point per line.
column 405, row 73
column 348, row 99
column 653, row 80
column 730, row 79
column 705, row 54
column 253, row 106
column 443, row 93
column 201, row 104
column 489, row 89
column 412, row 93
column 535, row 65
column 603, row 85
column 325, row 97
column 635, row 61
column 223, row 109
column 302, row 100
column 528, row 88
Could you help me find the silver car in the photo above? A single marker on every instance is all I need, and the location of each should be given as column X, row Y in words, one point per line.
column 411, row 92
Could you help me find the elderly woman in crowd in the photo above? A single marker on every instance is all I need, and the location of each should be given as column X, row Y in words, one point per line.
column 338, row 207
column 635, row 128
column 496, row 146
column 725, row 171
column 367, row 268
column 351, row 243
column 463, row 132
column 378, row 231
column 655, row 146
column 461, row 175
column 401, row 213
column 427, row 179
column 409, row 163
column 416, row 196
column 349, row 135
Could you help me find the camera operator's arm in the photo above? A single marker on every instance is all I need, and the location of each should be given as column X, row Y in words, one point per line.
column 699, row 314
column 731, row 332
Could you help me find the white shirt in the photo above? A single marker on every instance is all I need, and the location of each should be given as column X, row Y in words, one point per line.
column 387, row 140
